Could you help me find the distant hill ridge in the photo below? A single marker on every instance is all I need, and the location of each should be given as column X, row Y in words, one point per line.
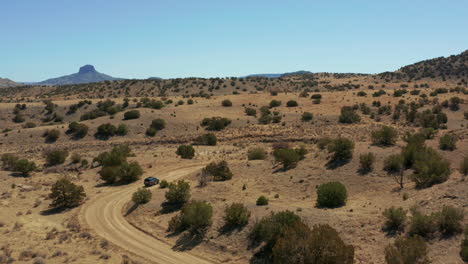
column 86, row 74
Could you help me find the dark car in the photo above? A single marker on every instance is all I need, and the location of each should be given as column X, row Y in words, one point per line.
column 150, row 181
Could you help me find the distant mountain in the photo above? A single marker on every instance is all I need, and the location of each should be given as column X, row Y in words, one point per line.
column 6, row 83
column 86, row 74
column 277, row 75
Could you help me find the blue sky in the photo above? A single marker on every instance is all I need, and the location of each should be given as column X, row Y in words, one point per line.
column 143, row 38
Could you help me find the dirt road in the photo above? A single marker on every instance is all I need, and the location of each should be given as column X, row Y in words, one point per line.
column 104, row 214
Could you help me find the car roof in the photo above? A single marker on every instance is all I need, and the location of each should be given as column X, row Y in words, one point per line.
column 150, row 178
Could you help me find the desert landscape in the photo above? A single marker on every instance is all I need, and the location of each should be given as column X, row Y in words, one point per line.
column 234, row 155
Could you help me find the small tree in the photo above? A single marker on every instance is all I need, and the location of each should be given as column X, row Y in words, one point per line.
column 141, row 196
column 342, row 149
column 448, row 142
column 236, row 215
column 395, row 219
column 25, row 166
column 386, row 136
column 65, row 194
column 366, row 162
column 178, row 193
column 185, row 151
column 331, row 195
column 407, row 250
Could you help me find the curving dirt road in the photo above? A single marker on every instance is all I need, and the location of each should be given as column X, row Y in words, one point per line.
column 104, row 215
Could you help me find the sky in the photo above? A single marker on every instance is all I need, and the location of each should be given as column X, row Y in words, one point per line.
column 220, row 38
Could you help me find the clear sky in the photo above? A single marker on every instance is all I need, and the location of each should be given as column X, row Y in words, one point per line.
column 42, row 39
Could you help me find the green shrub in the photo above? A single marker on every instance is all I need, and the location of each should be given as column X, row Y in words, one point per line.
column 178, row 193
column 448, row 142
column 109, row 174
column 348, row 115
column 275, row 103
column 117, row 156
column 273, row 226
column 322, row 244
column 386, row 136
column 215, row 123
column 291, row 103
column 395, row 219
column 65, row 194
column 464, row 166
column 393, row 163
column 316, row 96
column 25, row 167
column 9, row 161
column 407, row 250
column 163, row 184
column 158, row 124
column 342, row 149
column 307, row 116
column 220, row 171
column 56, row 156
column 208, row 139
column 256, row 154
column 331, row 195
column 428, row 133
column 236, row 215
column 185, row 151
column 129, row 172
column 52, row 135
column 250, row 111
column 450, row 220
column 195, row 217
column 262, row 200
column 18, row 118
column 105, row 131
column 423, row 225
column 77, row 130
column 190, row 101
column 122, row 130
column 132, row 114
column 430, row 168
column 226, row 103
column 287, row 157
column 366, row 162
column 151, row 132
column 141, row 196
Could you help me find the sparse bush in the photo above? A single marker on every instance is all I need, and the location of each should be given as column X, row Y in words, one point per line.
column 291, row 103
column 185, row 151
column 52, row 135
column 331, row 195
column 178, row 193
column 450, row 220
column 256, row 154
column 236, row 215
column 122, row 130
column 141, row 196
column 158, row 124
column 386, row 136
column 423, row 225
column 448, row 142
column 106, row 131
column 132, row 114
column 393, row 163
column 24, row 166
column 287, row 157
column 9, row 161
column 226, row 103
column 207, row 140
column 464, row 247
column 215, row 123
column 250, row 111
column 307, row 116
column 348, row 115
column 407, row 250
column 342, row 149
column 464, row 166
column 262, row 200
column 129, row 172
column 18, row 118
column 65, row 194
column 220, row 171
column 323, row 142
column 75, row 158
column 271, row 227
column 151, row 132
column 163, row 184
column 395, row 219
column 56, row 156
column 77, row 130
column 195, row 217
column 274, row 103
column 366, row 162
column 117, row 156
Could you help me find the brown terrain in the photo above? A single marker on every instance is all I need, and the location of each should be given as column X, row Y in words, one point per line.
column 109, row 228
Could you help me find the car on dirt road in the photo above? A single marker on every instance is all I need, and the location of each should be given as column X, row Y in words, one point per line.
column 150, row 181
